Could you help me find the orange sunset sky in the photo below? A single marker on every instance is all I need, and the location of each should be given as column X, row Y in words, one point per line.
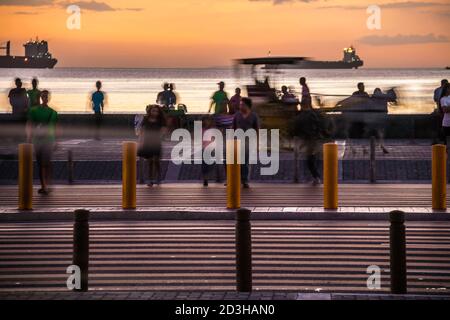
column 204, row 33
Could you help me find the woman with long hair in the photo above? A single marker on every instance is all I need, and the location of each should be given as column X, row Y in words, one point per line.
column 150, row 141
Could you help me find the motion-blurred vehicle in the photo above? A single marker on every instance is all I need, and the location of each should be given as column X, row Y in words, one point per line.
column 365, row 115
column 273, row 113
column 369, row 113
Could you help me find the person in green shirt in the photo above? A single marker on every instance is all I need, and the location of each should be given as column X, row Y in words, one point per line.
column 34, row 95
column 41, row 131
column 219, row 100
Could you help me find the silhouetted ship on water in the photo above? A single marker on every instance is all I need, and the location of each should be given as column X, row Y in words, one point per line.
column 350, row 61
column 36, row 56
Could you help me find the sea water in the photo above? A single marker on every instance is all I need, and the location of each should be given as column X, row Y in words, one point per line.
column 130, row 90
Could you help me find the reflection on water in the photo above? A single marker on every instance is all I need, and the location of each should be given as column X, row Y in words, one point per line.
column 130, row 90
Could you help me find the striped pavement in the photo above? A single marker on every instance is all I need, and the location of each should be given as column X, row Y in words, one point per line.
column 194, row 195
column 309, row 256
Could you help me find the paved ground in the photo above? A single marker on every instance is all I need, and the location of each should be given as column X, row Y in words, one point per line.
column 96, row 295
column 91, row 172
column 111, row 149
column 101, row 161
column 258, row 195
column 267, row 201
column 171, row 257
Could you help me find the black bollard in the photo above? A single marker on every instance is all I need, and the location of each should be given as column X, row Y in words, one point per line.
column 397, row 252
column 373, row 171
column 81, row 246
column 70, row 166
column 243, row 251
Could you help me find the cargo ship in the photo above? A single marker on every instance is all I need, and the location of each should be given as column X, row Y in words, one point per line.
column 350, row 61
column 36, row 56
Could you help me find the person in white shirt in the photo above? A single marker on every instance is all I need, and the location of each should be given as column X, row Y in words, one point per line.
column 445, row 106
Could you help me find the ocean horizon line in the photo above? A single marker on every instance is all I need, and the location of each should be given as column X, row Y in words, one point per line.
column 228, row 67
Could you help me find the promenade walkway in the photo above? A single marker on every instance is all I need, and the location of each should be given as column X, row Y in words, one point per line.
column 210, row 295
column 174, row 256
column 167, row 201
column 100, row 162
column 111, row 149
column 136, row 250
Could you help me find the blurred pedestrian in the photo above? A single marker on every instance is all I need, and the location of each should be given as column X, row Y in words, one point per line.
column 161, row 98
column 444, row 102
column 361, row 91
column 150, row 141
column 246, row 119
column 167, row 98
column 312, row 128
column 41, row 131
column 98, row 104
column 18, row 100
column 219, row 100
column 306, row 95
column 438, row 93
column 235, row 101
column 34, row 94
column 207, row 123
column 380, row 100
column 438, row 113
column 173, row 96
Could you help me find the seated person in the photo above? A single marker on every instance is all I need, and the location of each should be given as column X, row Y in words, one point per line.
column 288, row 97
column 361, row 91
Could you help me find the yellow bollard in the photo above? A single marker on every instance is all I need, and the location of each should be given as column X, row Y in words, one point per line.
column 25, row 176
column 129, row 150
column 439, row 177
column 330, row 176
column 233, row 175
